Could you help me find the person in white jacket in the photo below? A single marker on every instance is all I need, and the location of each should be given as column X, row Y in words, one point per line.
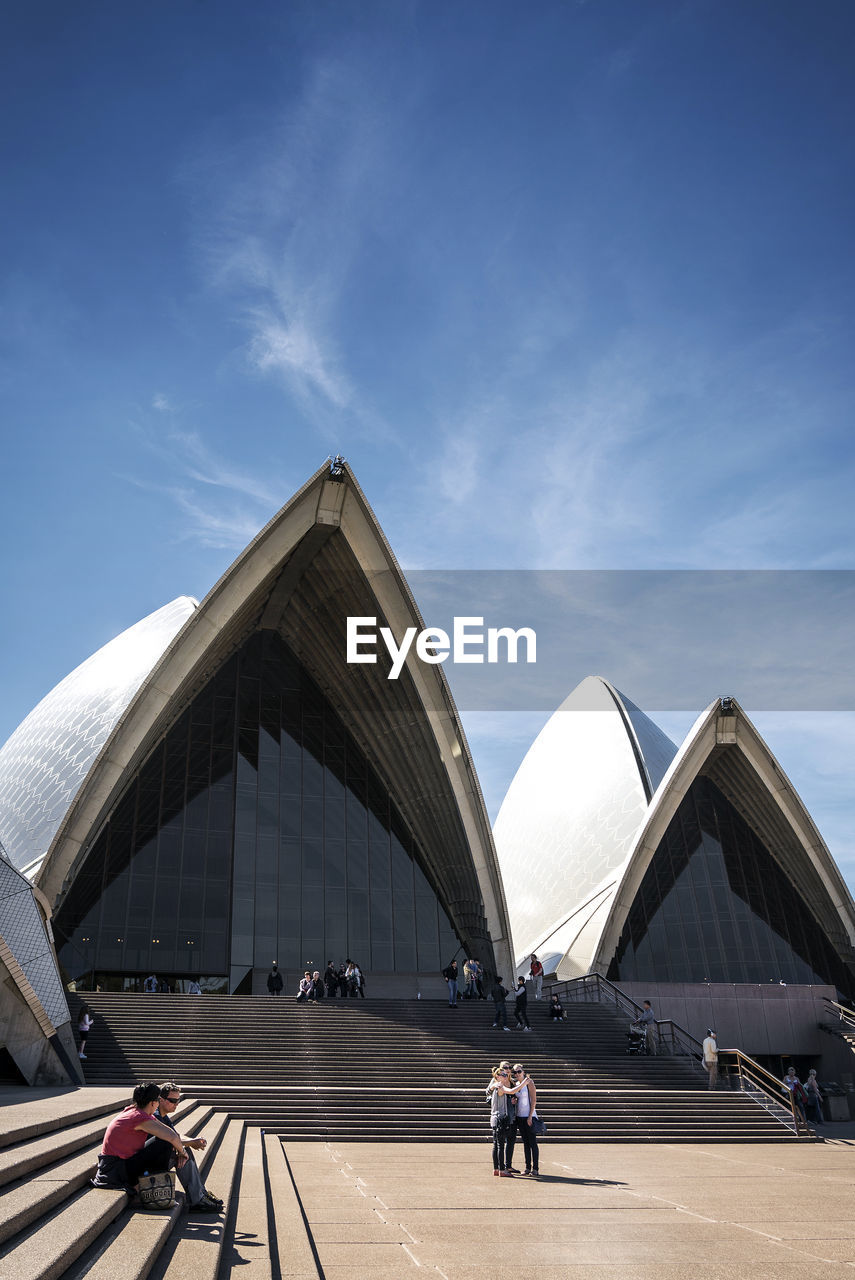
column 711, row 1058
column 84, row 1022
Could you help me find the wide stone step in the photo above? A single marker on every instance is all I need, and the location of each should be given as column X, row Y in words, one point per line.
column 228, row 1050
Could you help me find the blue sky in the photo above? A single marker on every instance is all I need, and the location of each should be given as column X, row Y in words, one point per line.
column 570, row 285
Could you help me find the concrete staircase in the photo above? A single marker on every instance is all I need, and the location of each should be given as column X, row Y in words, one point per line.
column 261, row 1074
column 393, row 1070
column 53, row 1224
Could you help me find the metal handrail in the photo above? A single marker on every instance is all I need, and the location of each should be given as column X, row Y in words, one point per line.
column 753, row 1079
column 844, row 1014
column 593, row 986
column 773, row 1091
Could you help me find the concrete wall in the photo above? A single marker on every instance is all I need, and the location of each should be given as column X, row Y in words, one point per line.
column 757, row 1019
column 27, row 1043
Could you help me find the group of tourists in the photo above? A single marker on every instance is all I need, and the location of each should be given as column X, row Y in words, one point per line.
column 807, row 1097
column 473, row 981
column 346, row 980
column 143, row 1142
column 513, row 1116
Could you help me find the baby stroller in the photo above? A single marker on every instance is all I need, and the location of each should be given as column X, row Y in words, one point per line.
column 637, row 1039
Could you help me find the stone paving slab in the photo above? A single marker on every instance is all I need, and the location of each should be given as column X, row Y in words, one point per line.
column 602, row 1212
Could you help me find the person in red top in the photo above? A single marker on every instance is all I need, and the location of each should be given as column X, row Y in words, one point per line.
column 536, row 975
column 125, row 1153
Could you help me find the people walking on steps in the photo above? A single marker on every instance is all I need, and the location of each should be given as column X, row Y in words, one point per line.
column 647, row 1019
column 352, row 976
column 478, row 975
column 556, row 1009
column 194, row 988
column 500, row 1091
column 274, row 980
column 710, row 1048
column 360, row 980
column 814, row 1095
column 793, row 1085
column 468, row 980
column 342, row 980
column 125, row 1152
column 536, row 974
column 520, row 1005
column 521, row 1125
column 450, row 975
column 199, row 1198
column 84, row 1024
column 499, row 995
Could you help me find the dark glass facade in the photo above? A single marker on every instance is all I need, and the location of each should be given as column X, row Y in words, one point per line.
column 715, row 906
column 255, row 831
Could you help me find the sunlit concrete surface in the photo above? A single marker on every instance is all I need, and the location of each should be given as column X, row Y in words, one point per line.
column 599, row 1211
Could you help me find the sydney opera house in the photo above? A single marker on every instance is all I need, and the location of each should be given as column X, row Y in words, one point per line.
column 217, row 788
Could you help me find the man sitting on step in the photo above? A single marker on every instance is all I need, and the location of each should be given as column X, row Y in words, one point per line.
column 199, row 1199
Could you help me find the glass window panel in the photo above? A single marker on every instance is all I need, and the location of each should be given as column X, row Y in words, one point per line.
column 334, row 780
column 313, row 775
column 246, row 811
column 165, row 912
column 313, row 816
column 380, row 860
column 357, row 865
column 381, row 916
column 357, row 912
column 268, row 815
column 357, row 822
column 334, row 863
column 266, row 862
column 290, row 862
column 313, row 862
column 405, row 953
column 220, row 808
column 313, row 952
column 145, row 859
column 243, row 871
column 381, row 955
column 334, row 826
column 268, row 777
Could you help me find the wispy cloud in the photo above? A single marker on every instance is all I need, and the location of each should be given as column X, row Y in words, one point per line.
column 285, row 219
column 228, row 518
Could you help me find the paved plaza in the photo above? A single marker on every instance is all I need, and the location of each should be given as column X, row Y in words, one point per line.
column 599, row 1212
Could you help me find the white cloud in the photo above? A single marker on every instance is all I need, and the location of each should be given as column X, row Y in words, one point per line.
column 290, row 349
column 284, row 222
column 230, row 517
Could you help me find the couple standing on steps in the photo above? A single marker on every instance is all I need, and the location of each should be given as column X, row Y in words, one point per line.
column 513, row 1112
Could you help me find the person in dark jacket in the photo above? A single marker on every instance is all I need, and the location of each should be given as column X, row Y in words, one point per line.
column 330, row 979
column 199, row 1198
column 450, row 975
column 274, row 980
column 520, row 1005
column 499, row 995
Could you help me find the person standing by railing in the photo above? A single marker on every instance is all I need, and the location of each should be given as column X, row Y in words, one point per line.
column 711, row 1058
column 647, row 1019
column 814, row 1095
column 793, row 1085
